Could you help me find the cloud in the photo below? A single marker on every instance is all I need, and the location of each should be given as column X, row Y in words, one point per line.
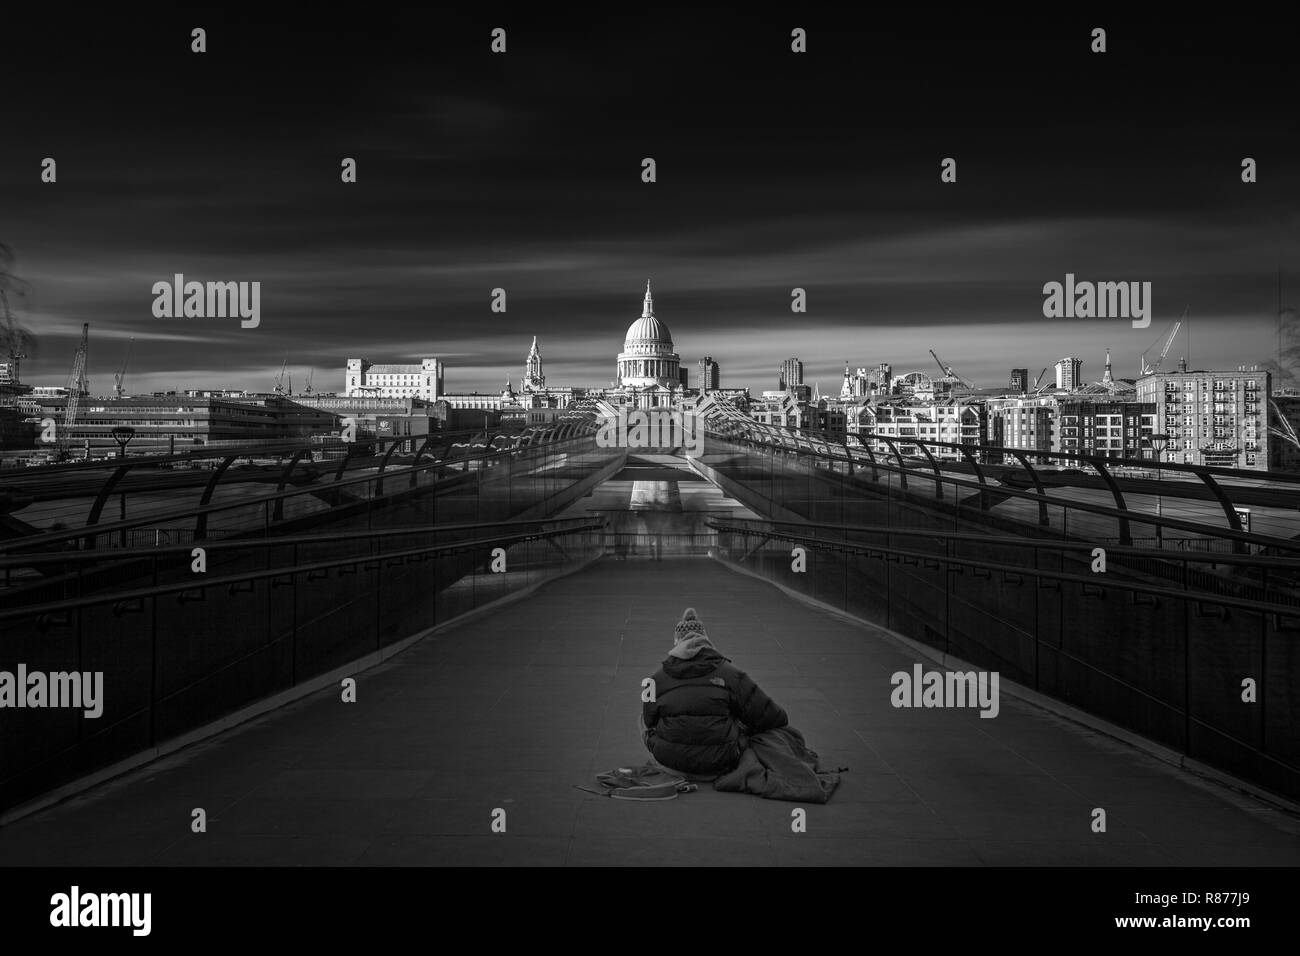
column 522, row 172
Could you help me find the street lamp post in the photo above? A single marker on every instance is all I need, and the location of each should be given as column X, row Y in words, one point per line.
column 1158, row 442
column 122, row 434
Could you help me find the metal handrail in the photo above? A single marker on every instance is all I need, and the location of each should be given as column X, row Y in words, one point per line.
column 1044, row 544
column 235, row 544
column 1282, row 476
column 19, row 544
column 216, row 451
column 1230, row 534
column 1263, row 607
column 260, row 575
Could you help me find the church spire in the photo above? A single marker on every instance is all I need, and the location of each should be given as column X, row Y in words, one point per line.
column 533, row 378
column 649, row 309
column 1107, row 378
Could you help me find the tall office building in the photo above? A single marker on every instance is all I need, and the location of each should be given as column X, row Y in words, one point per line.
column 791, row 375
column 1212, row 417
column 708, row 374
column 1019, row 380
column 1069, row 373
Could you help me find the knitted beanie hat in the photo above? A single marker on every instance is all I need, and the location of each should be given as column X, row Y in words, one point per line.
column 689, row 626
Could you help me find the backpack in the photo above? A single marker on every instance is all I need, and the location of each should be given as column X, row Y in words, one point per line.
column 646, row 782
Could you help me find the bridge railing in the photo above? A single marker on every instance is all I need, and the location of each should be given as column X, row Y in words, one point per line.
column 104, row 510
column 1210, row 673
column 183, row 648
column 793, row 471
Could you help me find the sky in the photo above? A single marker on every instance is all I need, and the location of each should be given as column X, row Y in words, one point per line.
column 522, row 171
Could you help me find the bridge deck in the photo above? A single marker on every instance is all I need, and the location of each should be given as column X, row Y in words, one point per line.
column 512, row 709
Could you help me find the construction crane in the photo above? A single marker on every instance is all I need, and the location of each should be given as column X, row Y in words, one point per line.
column 12, row 339
column 1034, row 388
column 77, row 387
column 1280, row 426
column 310, row 374
column 1152, row 369
column 120, row 376
column 280, row 379
column 12, row 335
column 949, row 375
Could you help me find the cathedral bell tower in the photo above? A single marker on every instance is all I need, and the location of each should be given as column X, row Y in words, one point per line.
column 533, row 377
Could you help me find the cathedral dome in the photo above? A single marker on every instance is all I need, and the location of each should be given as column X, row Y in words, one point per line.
column 648, row 359
column 648, row 330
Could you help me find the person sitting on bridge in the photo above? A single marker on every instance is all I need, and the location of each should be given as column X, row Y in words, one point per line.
column 705, row 709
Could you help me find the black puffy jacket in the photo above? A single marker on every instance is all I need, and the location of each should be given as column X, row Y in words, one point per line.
column 704, row 710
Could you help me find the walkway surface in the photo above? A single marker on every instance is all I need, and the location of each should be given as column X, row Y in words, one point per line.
column 509, row 711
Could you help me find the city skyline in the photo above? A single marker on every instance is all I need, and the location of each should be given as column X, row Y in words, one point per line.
column 756, row 368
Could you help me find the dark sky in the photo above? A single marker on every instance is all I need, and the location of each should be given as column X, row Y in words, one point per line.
column 522, row 171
